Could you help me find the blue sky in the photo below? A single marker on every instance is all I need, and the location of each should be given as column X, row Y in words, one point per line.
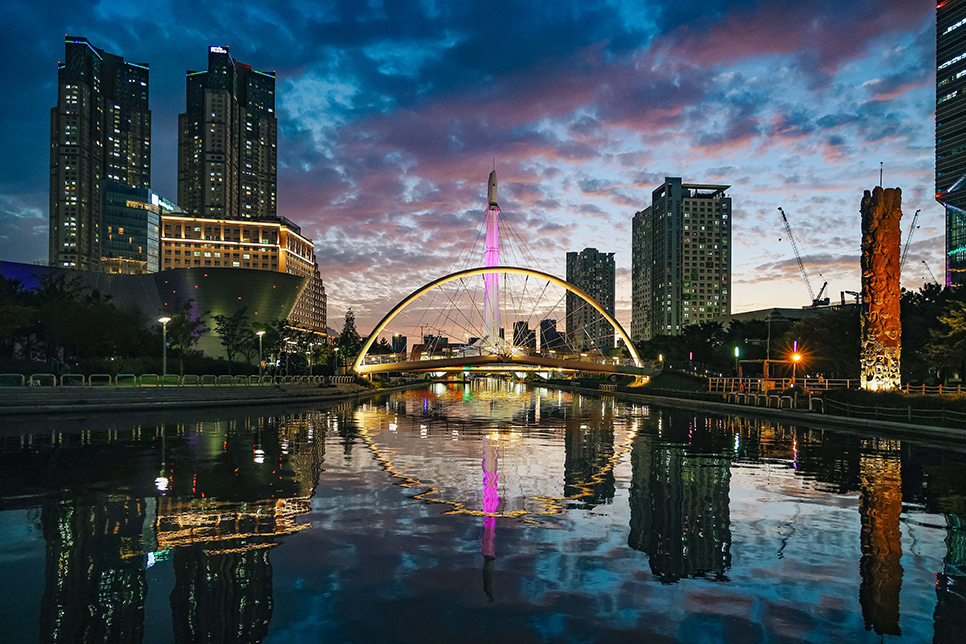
column 391, row 113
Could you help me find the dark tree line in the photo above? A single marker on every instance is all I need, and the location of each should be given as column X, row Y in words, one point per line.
column 64, row 322
column 933, row 340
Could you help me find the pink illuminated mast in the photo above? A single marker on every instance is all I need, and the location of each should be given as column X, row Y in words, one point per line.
column 491, row 257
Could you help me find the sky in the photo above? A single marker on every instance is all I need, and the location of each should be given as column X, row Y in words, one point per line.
column 392, row 113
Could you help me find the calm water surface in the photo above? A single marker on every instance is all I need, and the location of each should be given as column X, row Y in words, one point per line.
column 478, row 513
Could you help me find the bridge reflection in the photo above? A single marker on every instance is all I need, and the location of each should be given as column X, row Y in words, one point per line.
column 223, row 513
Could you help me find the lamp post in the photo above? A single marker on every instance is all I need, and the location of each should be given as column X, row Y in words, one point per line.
column 164, row 346
column 737, row 354
column 796, row 358
column 259, row 334
column 336, row 355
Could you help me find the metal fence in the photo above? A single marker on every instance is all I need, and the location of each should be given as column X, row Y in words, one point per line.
column 156, row 380
column 898, row 414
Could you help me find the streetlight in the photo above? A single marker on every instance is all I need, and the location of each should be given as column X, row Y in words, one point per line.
column 737, row 353
column 259, row 334
column 796, row 358
column 164, row 346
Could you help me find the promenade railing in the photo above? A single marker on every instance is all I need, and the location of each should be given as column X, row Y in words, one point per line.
column 121, row 380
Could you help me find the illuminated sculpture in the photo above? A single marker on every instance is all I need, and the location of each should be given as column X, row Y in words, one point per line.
column 881, row 328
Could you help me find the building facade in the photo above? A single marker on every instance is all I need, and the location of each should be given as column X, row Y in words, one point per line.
column 951, row 132
column 275, row 245
column 227, row 141
column 594, row 272
column 131, row 228
column 100, row 130
column 681, row 259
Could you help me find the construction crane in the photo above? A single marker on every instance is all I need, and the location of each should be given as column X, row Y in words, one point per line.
column 816, row 301
column 930, row 272
column 912, row 231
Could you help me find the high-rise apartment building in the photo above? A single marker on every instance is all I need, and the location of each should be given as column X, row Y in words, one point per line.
column 524, row 336
column 227, row 141
column 681, row 259
column 951, row 132
column 100, row 131
column 594, row 272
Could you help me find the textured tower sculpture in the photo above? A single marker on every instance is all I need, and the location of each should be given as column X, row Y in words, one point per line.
column 881, row 328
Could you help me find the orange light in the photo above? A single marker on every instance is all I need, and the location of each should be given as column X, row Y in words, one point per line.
column 796, row 357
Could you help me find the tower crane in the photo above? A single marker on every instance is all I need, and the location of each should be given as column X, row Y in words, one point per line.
column 912, row 231
column 930, row 272
column 816, row 301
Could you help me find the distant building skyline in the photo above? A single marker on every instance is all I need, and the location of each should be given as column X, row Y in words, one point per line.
column 681, row 258
column 100, row 130
column 951, row 132
column 594, row 272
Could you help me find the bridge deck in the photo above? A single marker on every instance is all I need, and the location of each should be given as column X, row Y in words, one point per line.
column 503, row 363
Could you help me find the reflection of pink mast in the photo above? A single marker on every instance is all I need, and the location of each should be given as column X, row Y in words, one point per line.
column 491, row 497
column 491, row 257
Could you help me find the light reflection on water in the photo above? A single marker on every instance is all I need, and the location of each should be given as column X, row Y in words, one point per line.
column 478, row 512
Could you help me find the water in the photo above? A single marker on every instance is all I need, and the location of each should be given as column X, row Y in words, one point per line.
column 480, row 513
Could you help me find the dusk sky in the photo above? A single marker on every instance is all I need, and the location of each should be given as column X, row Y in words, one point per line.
column 391, row 113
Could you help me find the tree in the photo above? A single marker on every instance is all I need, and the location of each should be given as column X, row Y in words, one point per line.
column 349, row 341
column 829, row 343
column 947, row 348
column 184, row 331
column 234, row 332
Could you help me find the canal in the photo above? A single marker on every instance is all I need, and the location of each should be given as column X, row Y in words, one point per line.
column 476, row 513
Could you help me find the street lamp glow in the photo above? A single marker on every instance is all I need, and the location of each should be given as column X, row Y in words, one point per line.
column 259, row 334
column 164, row 346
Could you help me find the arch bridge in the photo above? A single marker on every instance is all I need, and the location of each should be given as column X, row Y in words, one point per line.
column 492, row 353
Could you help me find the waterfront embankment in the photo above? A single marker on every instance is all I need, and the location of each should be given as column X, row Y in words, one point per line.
column 811, row 419
column 18, row 401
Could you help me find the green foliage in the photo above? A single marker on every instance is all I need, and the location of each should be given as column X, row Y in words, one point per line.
column 234, row 332
column 829, row 343
column 947, row 348
column 349, row 341
column 184, row 331
column 921, row 313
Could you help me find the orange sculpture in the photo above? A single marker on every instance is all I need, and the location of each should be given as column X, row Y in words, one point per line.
column 881, row 327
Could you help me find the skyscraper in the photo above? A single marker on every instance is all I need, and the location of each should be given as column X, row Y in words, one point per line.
column 587, row 330
column 681, row 259
column 951, row 132
column 100, row 131
column 227, row 150
column 227, row 141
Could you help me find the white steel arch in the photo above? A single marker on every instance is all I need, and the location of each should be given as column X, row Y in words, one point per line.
column 505, row 270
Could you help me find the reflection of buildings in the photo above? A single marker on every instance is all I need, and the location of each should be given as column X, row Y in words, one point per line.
column 880, row 507
column 98, row 546
column 221, row 597
column 95, row 574
column 679, row 510
column 949, row 620
column 588, row 450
